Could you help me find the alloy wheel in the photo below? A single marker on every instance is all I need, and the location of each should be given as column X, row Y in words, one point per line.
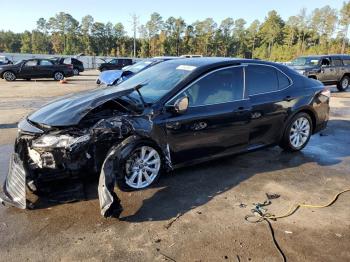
column 9, row 76
column 299, row 132
column 58, row 76
column 75, row 72
column 345, row 83
column 142, row 167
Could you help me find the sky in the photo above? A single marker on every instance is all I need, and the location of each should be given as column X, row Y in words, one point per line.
column 20, row 15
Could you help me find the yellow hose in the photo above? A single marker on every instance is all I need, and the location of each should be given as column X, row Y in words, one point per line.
column 294, row 208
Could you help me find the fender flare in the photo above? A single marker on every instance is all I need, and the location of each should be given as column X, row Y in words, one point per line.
column 109, row 202
column 306, row 109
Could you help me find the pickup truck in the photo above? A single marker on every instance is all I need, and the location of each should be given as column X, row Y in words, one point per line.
column 36, row 68
column 329, row 69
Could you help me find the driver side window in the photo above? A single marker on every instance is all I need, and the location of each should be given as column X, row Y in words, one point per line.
column 222, row 86
column 325, row 62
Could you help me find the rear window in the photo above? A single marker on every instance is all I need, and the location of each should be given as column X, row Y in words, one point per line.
column 336, row 61
column 45, row 63
column 261, row 79
column 346, row 61
column 283, row 80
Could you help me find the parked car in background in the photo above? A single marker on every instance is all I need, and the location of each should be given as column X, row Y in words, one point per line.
column 117, row 63
column 36, row 68
column 113, row 77
column 78, row 66
column 5, row 61
column 329, row 69
column 176, row 113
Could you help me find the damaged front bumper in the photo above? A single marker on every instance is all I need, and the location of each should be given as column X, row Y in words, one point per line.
column 14, row 189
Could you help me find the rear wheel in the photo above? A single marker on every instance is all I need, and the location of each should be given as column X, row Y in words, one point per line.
column 58, row 76
column 9, row 76
column 298, row 133
column 344, row 83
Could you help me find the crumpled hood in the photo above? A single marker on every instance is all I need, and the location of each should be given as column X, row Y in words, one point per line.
column 69, row 110
column 108, row 77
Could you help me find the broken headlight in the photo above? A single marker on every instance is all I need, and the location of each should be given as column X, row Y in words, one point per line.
column 59, row 141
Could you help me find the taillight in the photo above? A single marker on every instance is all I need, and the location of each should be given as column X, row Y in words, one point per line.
column 326, row 92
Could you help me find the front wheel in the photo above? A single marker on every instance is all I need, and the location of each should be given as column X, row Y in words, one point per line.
column 140, row 168
column 343, row 84
column 9, row 76
column 76, row 71
column 58, row 76
column 298, row 133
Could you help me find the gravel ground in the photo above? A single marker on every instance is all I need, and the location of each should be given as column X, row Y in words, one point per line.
column 193, row 214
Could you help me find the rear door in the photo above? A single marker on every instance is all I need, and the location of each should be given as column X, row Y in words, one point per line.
column 270, row 100
column 338, row 68
column 45, row 68
column 217, row 120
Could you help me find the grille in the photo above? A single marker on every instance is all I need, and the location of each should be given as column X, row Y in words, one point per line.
column 15, row 187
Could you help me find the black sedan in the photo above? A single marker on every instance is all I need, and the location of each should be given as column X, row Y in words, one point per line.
column 176, row 113
column 35, row 68
column 115, row 64
column 78, row 66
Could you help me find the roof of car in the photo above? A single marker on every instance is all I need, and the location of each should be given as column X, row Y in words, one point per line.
column 337, row 55
column 216, row 61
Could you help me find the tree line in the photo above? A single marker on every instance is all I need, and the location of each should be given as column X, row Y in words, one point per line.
column 322, row 31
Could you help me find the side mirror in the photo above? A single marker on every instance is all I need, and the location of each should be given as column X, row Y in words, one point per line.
column 180, row 105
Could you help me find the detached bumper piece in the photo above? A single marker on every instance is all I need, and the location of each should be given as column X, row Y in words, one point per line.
column 14, row 189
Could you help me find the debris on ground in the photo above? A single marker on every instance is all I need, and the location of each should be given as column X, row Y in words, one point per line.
column 271, row 196
column 171, row 222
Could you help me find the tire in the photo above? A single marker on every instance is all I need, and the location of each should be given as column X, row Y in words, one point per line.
column 58, row 76
column 76, row 71
column 343, row 84
column 28, row 79
column 129, row 169
column 297, row 133
column 9, row 76
column 98, row 81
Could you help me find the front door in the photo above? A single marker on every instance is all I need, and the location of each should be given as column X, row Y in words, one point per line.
column 328, row 73
column 217, row 120
column 28, row 69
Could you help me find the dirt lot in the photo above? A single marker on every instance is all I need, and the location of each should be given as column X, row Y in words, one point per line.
column 206, row 199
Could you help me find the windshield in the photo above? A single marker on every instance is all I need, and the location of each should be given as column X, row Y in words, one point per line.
column 305, row 61
column 139, row 66
column 18, row 62
column 157, row 80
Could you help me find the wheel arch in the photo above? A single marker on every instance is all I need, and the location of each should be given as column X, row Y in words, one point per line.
column 346, row 74
column 312, row 77
column 306, row 109
column 9, row 70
